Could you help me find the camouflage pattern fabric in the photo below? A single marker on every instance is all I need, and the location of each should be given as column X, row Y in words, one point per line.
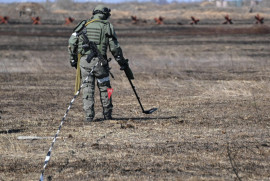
column 103, row 83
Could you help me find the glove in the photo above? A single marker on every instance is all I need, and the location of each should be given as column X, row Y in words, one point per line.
column 125, row 66
column 73, row 63
column 118, row 55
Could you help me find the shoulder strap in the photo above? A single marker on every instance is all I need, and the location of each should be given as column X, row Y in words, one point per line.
column 84, row 23
column 91, row 21
column 96, row 20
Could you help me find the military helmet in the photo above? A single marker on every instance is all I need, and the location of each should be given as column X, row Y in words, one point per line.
column 100, row 9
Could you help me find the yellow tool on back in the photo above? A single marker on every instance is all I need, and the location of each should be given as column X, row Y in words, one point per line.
column 78, row 75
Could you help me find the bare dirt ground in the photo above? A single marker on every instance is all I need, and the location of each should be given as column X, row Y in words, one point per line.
column 209, row 83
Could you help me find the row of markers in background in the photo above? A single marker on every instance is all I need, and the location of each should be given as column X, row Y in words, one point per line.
column 135, row 20
column 160, row 20
column 35, row 20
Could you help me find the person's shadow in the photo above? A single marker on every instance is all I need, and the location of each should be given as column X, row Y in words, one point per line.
column 138, row 118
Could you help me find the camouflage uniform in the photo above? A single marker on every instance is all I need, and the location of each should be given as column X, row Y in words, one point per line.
column 100, row 31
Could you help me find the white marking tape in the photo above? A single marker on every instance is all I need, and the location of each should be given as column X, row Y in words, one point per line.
column 48, row 156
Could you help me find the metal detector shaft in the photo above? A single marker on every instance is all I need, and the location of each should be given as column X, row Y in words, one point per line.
column 150, row 111
column 138, row 98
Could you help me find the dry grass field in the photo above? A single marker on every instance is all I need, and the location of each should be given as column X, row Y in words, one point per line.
column 210, row 83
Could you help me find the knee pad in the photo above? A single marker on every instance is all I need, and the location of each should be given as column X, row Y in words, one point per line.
column 104, row 82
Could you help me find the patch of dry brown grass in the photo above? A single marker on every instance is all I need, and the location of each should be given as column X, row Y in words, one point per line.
column 210, row 98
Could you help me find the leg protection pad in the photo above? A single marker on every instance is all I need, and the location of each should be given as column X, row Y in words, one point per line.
column 105, row 101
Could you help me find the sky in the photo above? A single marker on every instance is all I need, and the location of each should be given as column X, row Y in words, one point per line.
column 112, row 1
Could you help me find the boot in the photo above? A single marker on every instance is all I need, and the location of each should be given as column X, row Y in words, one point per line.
column 89, row 119
column 108, row 117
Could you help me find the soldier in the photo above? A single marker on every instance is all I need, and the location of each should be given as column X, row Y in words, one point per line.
column 100, row 31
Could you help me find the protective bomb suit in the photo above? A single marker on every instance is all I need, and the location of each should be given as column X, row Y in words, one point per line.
column 100, row 31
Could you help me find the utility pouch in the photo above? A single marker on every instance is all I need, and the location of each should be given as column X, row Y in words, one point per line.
column 90, row 56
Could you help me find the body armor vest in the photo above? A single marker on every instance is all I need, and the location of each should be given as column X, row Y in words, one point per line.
column 96, row 32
